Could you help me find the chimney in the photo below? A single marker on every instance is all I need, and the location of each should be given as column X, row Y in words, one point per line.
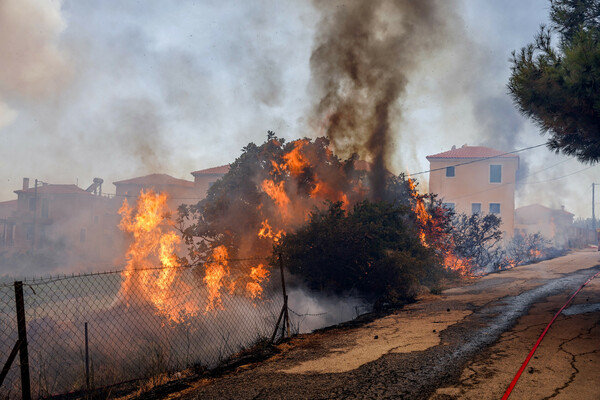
column 453, row 147
column 25, row 183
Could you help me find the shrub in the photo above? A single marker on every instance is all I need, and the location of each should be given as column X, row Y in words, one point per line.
column 373, row 249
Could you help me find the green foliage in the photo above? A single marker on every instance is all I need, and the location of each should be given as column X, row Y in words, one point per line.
column 559, row 87
column 373, row 249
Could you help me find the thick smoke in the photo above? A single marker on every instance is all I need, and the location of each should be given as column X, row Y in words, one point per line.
column 363, row 55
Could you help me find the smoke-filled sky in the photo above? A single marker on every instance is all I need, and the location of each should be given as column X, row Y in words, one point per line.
column 119, row 89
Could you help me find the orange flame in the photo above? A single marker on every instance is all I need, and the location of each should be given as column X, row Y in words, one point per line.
column 278, row 194
column 420, row 211
column 258, row 274
column 295, row 162
column 424, row 219
column 154, row 245
column 267, row 232
column 216, row 271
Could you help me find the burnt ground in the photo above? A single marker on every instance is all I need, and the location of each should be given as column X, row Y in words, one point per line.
column 443, row 347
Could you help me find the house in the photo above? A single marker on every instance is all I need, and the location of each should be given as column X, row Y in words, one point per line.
column 205, row 178
column 7, row 227
column 180, row 191
column 57, row 216
column 476, row 179
column 553, row 224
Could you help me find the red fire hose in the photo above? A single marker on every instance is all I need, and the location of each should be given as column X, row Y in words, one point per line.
column 518, row 375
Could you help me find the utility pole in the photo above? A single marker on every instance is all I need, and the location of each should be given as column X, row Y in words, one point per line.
column 594, row 213
column 35, row 213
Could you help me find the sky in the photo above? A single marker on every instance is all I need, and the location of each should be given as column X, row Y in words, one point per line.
column 120, row 89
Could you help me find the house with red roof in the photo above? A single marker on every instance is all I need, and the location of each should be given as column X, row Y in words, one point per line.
column 84, row 222
column 553, row 224
column 180, row 191
column 58, row 216
column 476, row 179
column 205, row 178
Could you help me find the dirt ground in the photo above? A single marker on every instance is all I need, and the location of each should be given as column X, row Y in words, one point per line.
column 464, row 344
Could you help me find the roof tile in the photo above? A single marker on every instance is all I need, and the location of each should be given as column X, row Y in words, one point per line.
column 223, row 169
column 472, row 152
column 155, row 179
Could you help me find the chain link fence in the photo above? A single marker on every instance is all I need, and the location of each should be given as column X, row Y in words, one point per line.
column 129, row 336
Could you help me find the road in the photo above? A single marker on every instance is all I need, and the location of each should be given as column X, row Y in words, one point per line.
column 466, row 343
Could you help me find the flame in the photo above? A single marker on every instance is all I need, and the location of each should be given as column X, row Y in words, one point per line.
column 535, row 254
column 267, row 232
column 215, row 274
column 425, row 222
column 151, row 273
column 510, row 263
column 420, row 211
column 258, row 274
column 278, row 194
column 454, row 263
column 295, row 161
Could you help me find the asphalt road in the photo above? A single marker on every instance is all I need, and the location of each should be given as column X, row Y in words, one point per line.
column 464, row 344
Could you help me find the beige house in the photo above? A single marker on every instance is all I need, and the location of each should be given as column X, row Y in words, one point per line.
column 205, row 178
column 553, row 224
column 476, row 179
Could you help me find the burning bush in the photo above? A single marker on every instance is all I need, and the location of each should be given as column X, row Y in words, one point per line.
column 528, row 248
column 374, row 250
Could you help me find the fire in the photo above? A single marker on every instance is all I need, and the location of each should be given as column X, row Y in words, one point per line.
column 258, row 274
column 535, row 254
column 455, row 263
column 295, row 168
column 151, row 273
column 423, row 216
column 267, row 232
column 295, row 161
column 425, row 223
column 278, row 194
column 216, row 272
column 510, row 263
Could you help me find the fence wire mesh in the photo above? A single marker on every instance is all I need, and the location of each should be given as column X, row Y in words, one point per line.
column 8, row 338
column 130, row 335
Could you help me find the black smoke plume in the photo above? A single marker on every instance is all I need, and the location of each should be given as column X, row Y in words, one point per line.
column 364, row 54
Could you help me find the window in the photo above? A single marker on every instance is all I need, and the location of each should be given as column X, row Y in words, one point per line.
column 495, row 173
column 448, row 206
column 475, row 208
column 95, row 219
column 450, row 172
column 32, row 204
column 82, row 236
column 494, row 208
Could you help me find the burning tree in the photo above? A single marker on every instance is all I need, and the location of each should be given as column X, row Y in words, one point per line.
column 268, row 190
column 279, row 188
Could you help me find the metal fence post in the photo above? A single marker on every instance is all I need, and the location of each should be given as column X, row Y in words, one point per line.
column 22, row 331
column 286, row 317
column 284, row 310
column 87, row 360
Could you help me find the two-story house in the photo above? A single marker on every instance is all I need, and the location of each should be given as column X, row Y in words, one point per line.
column 476, row 179
column 57, row 216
